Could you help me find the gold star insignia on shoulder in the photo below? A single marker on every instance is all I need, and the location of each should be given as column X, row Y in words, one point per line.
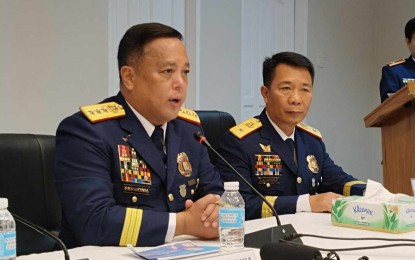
column 265, row 148
column 309, row 129
column 103, row 111
column 189, row 115
column 246, row 127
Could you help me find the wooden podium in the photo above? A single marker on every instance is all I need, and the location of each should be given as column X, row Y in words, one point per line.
column 396, row 117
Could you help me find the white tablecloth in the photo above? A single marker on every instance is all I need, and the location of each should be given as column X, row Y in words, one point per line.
column 305, row 223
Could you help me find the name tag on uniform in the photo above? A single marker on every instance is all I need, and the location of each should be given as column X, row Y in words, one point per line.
column 135, row 189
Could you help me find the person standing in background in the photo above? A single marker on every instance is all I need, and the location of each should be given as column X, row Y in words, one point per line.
column 396, row 74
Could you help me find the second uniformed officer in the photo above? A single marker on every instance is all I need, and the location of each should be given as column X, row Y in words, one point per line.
column 283, row 158
column 128, row 170
column 396, row 74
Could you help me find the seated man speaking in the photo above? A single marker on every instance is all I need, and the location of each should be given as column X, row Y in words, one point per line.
column 128, row 170
column 283, row 158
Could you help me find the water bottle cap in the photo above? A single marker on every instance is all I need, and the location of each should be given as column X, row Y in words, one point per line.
column 231, row 185
column 4, row 203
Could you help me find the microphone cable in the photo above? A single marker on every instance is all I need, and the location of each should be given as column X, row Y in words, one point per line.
column 353, row 238
column 350, row 248
column 43, row 232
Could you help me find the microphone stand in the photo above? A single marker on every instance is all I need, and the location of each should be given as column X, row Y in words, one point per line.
column 261, row 237
column 43, row 232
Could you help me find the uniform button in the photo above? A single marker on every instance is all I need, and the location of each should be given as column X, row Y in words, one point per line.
column 192, row 191
column 268, row 185
column 299, row 180
column 171, row 197
column 134, row 199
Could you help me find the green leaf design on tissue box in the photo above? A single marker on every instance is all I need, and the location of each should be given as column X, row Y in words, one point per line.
column 338, row 210
column 390, row 217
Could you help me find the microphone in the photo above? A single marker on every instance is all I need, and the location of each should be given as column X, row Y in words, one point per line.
column 286, row 251
column 261, row 237
column 43, row 232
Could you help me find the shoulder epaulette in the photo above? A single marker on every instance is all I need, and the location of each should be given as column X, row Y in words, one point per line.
column 103, row 111
column 246, row 127
column 189, row 115
column 310, row 130
column 393, row 63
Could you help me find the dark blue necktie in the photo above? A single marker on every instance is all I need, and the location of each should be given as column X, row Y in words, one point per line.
column 291, row 144
column 157, row 138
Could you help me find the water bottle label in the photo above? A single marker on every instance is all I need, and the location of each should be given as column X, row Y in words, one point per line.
column 8, row 244
column 231, row 217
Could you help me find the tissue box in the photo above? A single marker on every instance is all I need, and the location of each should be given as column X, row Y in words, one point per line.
column 356, row 212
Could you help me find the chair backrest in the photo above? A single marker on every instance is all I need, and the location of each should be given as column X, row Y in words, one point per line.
column 26, row 179
column 215, row 124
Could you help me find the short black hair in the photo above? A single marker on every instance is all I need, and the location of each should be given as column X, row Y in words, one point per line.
column 288, row 58
column 135, row 39
column 410, row 29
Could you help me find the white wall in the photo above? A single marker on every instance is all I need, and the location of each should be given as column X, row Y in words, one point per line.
column 53, row 59
column 266, row 29
column 126, row 13
column 232, row 39
column 220, row 56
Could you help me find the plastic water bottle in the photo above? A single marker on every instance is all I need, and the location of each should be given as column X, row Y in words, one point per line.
column 7, row 232
column 231, row 218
